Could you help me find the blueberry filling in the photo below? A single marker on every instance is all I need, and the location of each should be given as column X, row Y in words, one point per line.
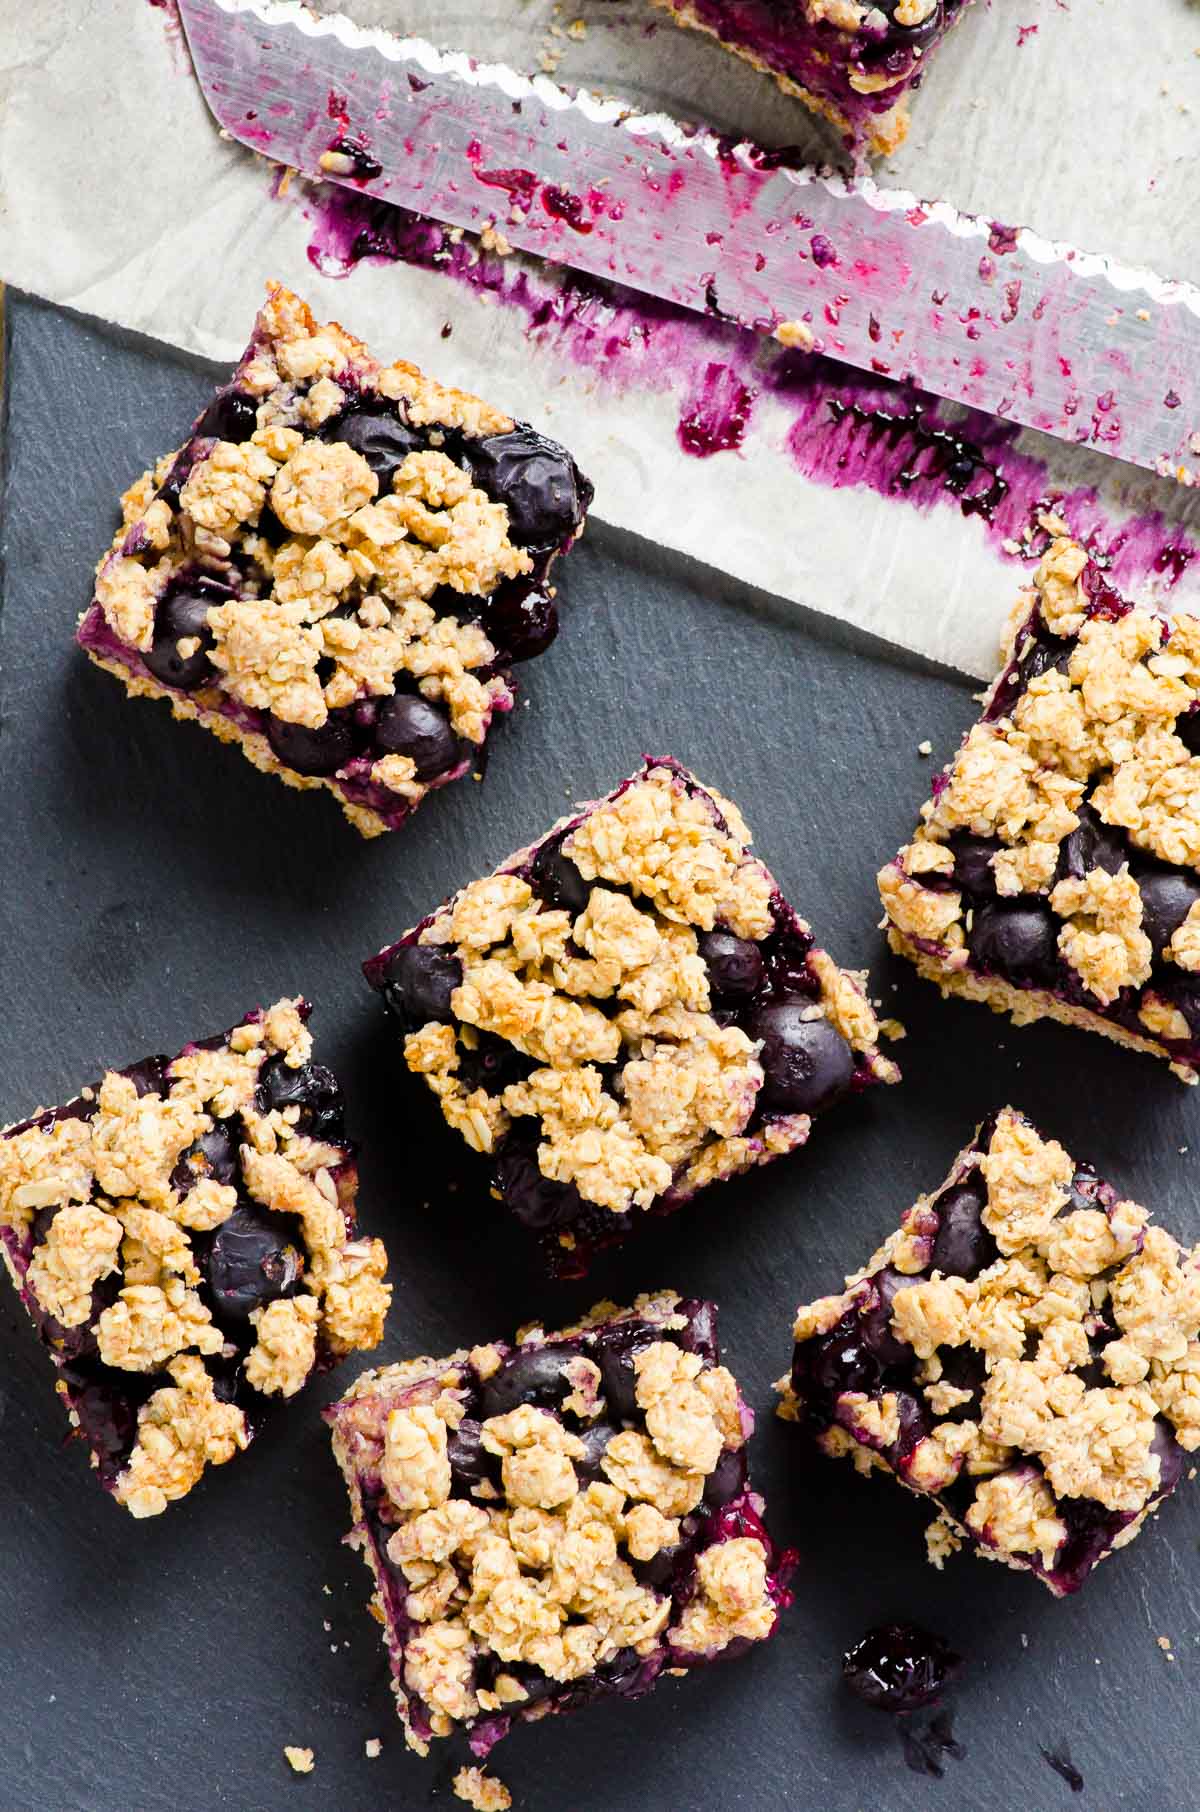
column 310, row 1087
column 1092, row 844
column 973, row 870
column 899, row 1667
column 1168, row 895
column 556, row 880
column 538, row 482
column 520, row 619
column 534, row 1375
column 253, row 1260
column 213, row 1155
column 807, row 1064
column 963, row 1247
column 419, row 982
column 471, row 1465
column 232, row 415
column 320, row 751
column 735, row 965
column 182, row 615
column 537, row 1201
column 1019, row 942
column 379, row 432
column 410, row 725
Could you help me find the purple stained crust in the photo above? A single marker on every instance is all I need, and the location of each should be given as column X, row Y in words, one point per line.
column 856, row 65
column 546, row 498
column 534, row 1373
column 769, row 988
column 852, row 1361
column 253, row 1258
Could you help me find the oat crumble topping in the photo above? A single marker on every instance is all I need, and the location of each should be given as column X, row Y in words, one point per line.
column 1042, row 1347
column 112, row 1215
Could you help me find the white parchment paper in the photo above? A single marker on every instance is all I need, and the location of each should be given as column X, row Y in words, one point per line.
column 119, row 199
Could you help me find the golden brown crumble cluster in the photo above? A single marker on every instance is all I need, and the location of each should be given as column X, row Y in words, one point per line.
column 373, row 560
column 1041, row 1434
column 1104, row 728
column 110, row 1178
column 541, row 1575
column 536, row 977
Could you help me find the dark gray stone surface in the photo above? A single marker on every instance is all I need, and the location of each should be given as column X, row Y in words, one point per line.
column 155, row 887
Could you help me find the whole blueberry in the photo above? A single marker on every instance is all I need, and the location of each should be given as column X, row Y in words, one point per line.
column 595, row 1437
column 182, row 615
column 807, row 1063
column 535, row 1200
column 410, row 725
column 1187, row 728
column 418, row 982
column 312, row 751
column 735, row 965
column 253, row 1260
column 213, row 1155
column 615, row 1354
column 537, row 481
column 107, row 1421
column 491, row 1063
column 1184, row 994
column 311, row 1087
column 232, row 415
column 379, row 434
column 1092, row 844
column 556, row 880
column 973, row 870
column 839, row 1361
column 521, row 620
column 899, row 1667
column 962, row 1247
column 1019, row 942
column 727, row 1478
column 470, row 1462
column 875, row 1319
column 1168, row 895
column 530, row 1375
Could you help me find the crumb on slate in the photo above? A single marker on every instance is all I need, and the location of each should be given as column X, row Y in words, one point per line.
column 372, row 1748
column 925, row 748
column 300, row 1761
column 482, row 1790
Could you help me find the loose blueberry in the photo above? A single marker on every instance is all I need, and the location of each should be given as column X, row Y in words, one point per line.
column 1168, row 896
column 1092, row 844
column 412, row 726
column 899, row 1667
column 535, row 1200
column 378, row 433
column 418, row 982
column 727, row 1478
column 521, row 621
column 534, row 1375
column 232, row 415
column 214, row 1154
column 556, row 880
column 252, row 1261
column 735, row 965
column 536, row 480
column 973, row 870
column 807, row 1062
column 182, row 615
column 962, row 1247
column 311, row 1087
column 1019, row 942
column 309, row 751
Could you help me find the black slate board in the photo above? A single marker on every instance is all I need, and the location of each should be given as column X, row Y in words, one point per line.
column 154, row 887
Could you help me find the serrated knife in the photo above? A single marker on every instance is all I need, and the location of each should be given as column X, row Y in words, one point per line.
column 985, row 314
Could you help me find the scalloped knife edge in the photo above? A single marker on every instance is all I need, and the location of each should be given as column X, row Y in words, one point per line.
column 997, row 318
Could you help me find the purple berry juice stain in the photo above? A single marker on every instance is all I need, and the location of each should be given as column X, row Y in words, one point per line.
column 716, row 419
column 1060, row 1760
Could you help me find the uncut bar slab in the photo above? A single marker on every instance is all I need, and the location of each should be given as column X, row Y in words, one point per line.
column 1023, row 1352
column 559, row 1519
column 338, row 568
column 183, row 1237
column 626, row 1012
column 1056, row 871
column 856, row 62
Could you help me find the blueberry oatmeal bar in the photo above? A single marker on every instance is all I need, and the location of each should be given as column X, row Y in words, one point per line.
column 183, row 1237
column 856, row 62
column 559, row 1519
column 1023, row 1351
column 338, row 568
column 625, row 1012
column 1056, row 871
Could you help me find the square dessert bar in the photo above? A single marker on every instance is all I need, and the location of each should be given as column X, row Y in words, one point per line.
column 183, row 1237
column 1023, row 1351
column 1056, row 871
column 625, row 1012
column 338, row 568
column 856, row 62
column 559, row 1519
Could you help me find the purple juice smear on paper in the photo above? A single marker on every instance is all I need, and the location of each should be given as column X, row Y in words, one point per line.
column 848, row 429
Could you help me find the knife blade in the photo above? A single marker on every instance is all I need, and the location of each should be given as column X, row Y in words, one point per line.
column 992, row 316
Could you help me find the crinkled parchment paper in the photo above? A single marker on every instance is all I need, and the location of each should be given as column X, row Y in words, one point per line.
column 119, row 199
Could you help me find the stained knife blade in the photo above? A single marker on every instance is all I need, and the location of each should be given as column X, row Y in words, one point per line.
column 991, row 316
